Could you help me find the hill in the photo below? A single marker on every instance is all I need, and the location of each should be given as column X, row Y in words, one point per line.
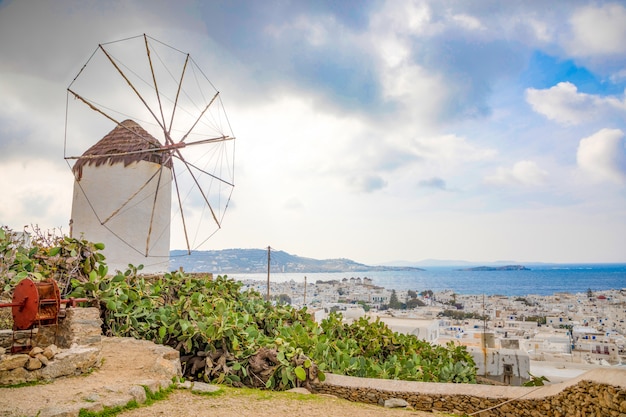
column 497, row 268
column 227, row 261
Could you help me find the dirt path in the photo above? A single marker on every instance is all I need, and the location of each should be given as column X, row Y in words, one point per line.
column 239, row 403
column 128, row 363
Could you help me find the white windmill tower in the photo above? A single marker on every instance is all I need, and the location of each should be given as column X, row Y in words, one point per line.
column 132, row 191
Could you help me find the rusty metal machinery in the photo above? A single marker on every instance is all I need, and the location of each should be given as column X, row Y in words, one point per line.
column 36, row 304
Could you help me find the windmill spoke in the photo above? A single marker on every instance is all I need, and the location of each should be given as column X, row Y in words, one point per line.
column 111, row 118
column 154, row 205
column 180, row 158
column 156, row 86
column 206, row 200
column 130, row 84
column 180, row 85
column 116, row 211
column 182, row 213
column 210, row 140
column 200, row 116
column 92, row 107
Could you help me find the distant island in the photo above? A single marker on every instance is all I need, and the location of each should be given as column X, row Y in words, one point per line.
column 254, row 261
column 497, row 268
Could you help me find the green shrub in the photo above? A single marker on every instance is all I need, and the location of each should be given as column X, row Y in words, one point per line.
column 226, row 334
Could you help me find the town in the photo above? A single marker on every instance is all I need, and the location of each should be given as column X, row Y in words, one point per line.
column 512, row 338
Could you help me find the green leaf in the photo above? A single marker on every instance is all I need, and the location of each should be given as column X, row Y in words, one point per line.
column 54, row 251
column 118, row 278
column 300, row 373
column 99, row 245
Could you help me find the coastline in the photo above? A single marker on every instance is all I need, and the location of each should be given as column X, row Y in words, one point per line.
column 540, row 280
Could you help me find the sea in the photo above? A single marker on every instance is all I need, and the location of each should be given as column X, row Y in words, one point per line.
column 537, row 280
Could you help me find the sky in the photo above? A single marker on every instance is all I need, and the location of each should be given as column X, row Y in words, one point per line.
column 377, row 131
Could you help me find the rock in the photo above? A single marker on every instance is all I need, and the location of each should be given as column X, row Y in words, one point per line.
column 165, row 383
column 396, row 403
column 55, row 411
column 152, row 384
column 167, row 352
column 50, row 351
column 139, row 393
column 202, row 388
column 120, row 400
column 92, row 398
column 33, row 364
column 168, row 368
column 16, row 376
column 2, row 351
column 184, row 385
column 72, row 362
column 42, row 359
column 299, row 390
column 11, row 362
column 35, row 351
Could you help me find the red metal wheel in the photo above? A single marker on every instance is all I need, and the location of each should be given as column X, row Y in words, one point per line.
column 26, row 296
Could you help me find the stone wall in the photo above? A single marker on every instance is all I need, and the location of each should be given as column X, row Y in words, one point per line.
column 80, row 326
column 73, row 347
column 598, row 392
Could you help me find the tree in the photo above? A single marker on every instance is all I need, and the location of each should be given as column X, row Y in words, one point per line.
column 284, row 299
column 412, row 294
column 393, row 300
column 414, row 303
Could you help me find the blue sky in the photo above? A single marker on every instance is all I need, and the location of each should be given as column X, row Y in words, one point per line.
column 371, row 130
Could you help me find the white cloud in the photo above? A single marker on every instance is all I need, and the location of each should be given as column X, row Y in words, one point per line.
column 468, row 22
column 403, row 17
column 603, row 155
column 618, row 76
column 526, row 173
column 39, row 192
column 367, row 183
column 540, row 29
column 433, row 182
column 317, row 32
column 598, row 30
column 451, row 149
column 563, row 103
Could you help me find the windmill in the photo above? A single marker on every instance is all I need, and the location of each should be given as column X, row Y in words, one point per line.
column 163, row 171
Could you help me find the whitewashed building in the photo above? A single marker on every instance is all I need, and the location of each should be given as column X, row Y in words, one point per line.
column 122, row 198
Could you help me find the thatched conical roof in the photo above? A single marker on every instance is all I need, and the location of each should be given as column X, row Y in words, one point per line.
column 124, row 144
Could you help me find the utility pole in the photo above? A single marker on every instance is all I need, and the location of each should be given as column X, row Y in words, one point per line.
column 268, row 274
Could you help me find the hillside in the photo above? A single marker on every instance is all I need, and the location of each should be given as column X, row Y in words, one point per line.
column 255, row 261
column 497, row 268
